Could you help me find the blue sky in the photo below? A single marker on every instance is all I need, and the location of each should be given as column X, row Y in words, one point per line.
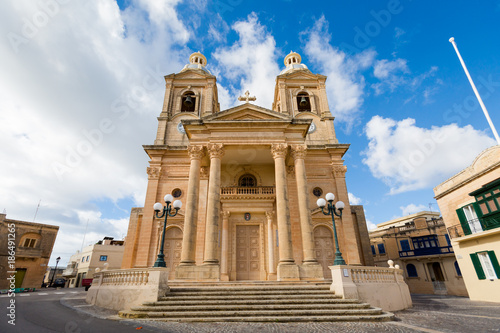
column 81, row 88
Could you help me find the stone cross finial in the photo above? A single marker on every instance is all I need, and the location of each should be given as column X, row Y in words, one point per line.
column 247, row 97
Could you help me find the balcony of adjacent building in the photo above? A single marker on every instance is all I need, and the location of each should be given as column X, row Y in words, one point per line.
column 424, row 246
column 474, row 225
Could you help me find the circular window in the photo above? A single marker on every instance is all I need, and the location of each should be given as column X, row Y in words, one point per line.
column 317, row 191
column 176, row 193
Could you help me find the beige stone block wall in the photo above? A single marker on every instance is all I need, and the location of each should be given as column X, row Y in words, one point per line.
column 479, row 290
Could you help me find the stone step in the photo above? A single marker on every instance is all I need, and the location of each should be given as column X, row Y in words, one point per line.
column 250, row 307
column 254, row 313
column 257, row 301
column 285, row 319
column 248, row 297
column 176, row 293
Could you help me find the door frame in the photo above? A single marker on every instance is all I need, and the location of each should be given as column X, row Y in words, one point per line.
column 263, row 247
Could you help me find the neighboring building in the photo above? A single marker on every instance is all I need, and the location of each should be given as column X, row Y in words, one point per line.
column 51, row 274
column 470, row 204
column 105, row 254
column 33, row 247
column 249, row 178
column 420, row 245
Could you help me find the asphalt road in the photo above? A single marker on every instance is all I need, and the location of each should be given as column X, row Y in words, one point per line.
column 42, row 312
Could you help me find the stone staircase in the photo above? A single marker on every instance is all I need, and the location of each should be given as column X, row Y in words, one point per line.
column 255, row 302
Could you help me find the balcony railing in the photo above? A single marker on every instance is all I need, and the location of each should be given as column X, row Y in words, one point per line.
column 406, row 227
column 427, row 251
column 236, row 190
column 475, row 226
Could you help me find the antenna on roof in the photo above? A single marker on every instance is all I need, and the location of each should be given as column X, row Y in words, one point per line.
column 85, row 234
column 36, row 212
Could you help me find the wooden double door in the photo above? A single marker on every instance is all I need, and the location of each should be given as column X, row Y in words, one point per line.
column 248, row 249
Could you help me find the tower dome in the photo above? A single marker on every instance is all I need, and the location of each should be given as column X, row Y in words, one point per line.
column 197, row 61
column 293, row 62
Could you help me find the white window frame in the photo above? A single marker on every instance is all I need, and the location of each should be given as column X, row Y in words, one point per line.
column 472, row 219
column 489, row 271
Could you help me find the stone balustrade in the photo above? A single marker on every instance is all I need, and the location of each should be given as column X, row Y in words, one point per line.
column 259, row 190
column 380, row 286
column 373, row 275
column 122, row 289
column 125, row 277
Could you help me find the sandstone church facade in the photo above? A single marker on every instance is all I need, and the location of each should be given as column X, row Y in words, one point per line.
column 249, row 178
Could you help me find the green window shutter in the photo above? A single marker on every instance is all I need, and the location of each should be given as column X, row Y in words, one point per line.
column 477, row 266
column 494, row 262
column 478, row 210
column 463, row 221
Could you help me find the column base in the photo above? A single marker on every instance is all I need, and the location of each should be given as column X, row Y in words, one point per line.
column 311, row 271
column 288, row 272
column 198, row 273
column 272, row 277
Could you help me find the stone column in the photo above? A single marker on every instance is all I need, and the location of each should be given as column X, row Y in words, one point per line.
column 279, row 151
column 216, row 152
column 190, row 219
column 299, row 153
column 351, row 246
column 224, row 246
column 270, row 243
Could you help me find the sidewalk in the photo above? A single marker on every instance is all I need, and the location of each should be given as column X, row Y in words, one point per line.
column 430, row 313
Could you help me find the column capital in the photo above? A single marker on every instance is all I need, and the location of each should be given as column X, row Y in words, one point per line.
column 339, row 170
column 154, row 172
column 299, row 151
column 215, row 150
column 270, row 214
column 196, row 152
column 226, row 214
column 279, row 150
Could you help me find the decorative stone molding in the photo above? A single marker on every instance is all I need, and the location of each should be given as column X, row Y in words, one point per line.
column 339, row 170
column 299, row 151
column 196, row 152
column 226, row 214
column 279, row 150
column 215, row 150
column 154, row 172
column 204, row 172
column 270, row 214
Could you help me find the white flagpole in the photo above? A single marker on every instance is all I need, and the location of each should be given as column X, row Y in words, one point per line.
column 452, row 41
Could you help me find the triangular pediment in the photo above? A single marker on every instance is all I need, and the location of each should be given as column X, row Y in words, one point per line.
column 190, row 74
column 247, row 111
column 302, row 75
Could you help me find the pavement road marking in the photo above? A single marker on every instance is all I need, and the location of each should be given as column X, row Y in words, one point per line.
column 23, row 294
column 42, row 293
column 60, row 293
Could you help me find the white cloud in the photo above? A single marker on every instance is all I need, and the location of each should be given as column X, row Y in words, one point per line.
column 79, row 98
column 249, row 63
column 370, row 225
column 407, row 157
column 390, row 74
column 385, row 68
column 412, row 209
column 354, row 200
column 345, row 84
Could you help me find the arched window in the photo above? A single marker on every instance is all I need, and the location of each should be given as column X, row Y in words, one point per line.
column 188, row 102
column 411, row 270
column 247, row 180
column 459, row 273
column 303, row 102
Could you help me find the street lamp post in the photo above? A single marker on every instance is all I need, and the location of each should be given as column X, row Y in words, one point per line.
column 55, row 271
column 167, row 211
column 332, row 210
